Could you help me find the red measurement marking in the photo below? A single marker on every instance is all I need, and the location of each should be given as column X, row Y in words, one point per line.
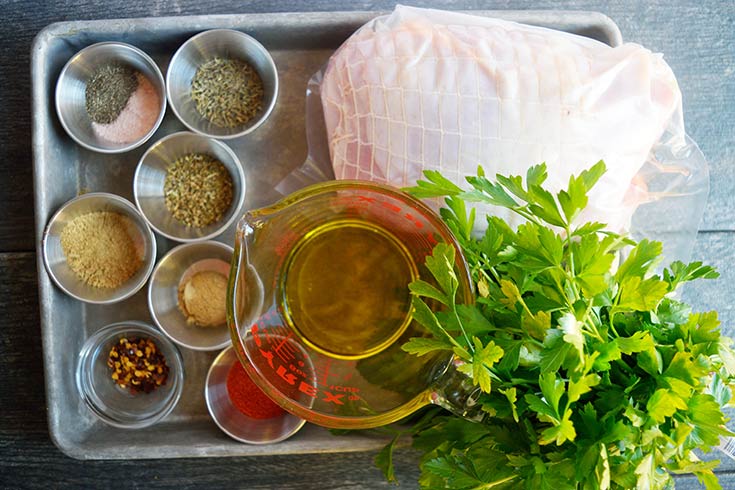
column 268, row 356
column 392, row 207
column 324, row 371
column 331, row 398
column 280, row 369
column 417, row 223
column 296, row 370
column 365, row 199
column 308, row 389
column 254, row 330
column 344, row 389
column 285, row 375
column 283, row 352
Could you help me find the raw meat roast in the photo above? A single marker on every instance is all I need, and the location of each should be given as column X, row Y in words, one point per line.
column 423, row 89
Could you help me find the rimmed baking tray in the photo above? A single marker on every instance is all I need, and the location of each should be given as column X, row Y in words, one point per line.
column 300, row 44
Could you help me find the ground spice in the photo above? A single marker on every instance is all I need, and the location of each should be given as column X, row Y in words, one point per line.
column 108, row 91
column 227, row 92
column 137, row 117
column 100, row 248
column 197, row 190
column 202, row 298
column 247, row 397
column 138, row 365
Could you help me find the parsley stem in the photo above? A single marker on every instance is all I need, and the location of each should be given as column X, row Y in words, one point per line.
column 497, row 482
column 470, row 345
column 570, row 261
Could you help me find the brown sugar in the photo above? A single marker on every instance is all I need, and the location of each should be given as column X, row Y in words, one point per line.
column 202, row 299
column 100, row 249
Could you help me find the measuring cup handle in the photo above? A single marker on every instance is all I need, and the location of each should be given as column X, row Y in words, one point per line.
column 455, row 391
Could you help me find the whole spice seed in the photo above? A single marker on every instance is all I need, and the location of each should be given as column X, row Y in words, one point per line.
column 227, row 92
column 247, row 397
column 137, row 364
column 100, row 249
column 198, row 190
column 108, row 91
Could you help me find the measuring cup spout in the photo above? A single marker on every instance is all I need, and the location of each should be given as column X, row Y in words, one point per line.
column 249, row 222
column 455, row 392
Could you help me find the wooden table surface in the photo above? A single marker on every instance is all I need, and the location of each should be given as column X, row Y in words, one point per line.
column 697, row 39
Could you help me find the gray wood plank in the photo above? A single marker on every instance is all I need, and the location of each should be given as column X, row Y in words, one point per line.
column 716, row 249
column 699, row 50
column 697, row 39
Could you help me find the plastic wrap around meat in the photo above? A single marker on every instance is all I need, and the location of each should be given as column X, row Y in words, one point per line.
column 424, row 89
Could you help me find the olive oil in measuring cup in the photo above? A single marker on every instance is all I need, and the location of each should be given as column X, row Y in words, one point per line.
column 344, row 289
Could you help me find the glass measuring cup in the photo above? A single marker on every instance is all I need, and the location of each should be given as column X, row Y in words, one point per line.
column 318, row 305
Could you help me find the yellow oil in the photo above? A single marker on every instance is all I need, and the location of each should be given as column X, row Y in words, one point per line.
column 344, row 290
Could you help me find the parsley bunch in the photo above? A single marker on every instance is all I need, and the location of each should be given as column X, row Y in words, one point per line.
column 592, row 375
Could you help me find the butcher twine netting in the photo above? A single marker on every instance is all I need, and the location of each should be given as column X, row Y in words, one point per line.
column 424, row 89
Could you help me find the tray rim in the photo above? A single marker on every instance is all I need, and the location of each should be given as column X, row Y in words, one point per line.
column 39, row 126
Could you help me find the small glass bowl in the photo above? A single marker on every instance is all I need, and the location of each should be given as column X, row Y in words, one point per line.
column 113, row 404
column 233, row 422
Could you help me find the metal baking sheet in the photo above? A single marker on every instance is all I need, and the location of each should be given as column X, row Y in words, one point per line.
column 300, row 44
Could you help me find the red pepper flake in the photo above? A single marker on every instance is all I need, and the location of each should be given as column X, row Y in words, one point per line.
column 247, row 397
column 137, row 364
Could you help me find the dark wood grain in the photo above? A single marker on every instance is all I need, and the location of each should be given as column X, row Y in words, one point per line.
column 696, row 37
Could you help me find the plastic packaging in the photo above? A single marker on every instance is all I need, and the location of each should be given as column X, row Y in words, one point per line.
column 621, row 104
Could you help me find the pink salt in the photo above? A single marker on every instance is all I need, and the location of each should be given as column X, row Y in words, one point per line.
column 136, row 119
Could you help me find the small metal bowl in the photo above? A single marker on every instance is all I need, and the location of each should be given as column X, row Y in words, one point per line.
column 233, row 422
column 174, row 269
column 55, row 260
column 222, row 43
column 72, row 84
column 150, row 177
column 114, row 404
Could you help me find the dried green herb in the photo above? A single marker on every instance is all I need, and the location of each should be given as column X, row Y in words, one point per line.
column 198, row 190
column 227, row 92
column 108, row 91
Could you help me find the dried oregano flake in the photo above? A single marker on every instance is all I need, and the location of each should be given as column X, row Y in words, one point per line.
column 198, row 190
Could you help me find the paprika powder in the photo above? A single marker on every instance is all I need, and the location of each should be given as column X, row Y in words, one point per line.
column 247, row 397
